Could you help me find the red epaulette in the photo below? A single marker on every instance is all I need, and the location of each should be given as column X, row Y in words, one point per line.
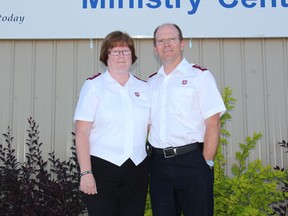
column 93, row 77
column 139, row 78
column 199, row 67
column 152, row 74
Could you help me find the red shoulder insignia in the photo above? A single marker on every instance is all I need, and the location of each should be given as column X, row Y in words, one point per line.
column 199, row 67
column 93, row 77
column 152, row 74
column 139, row 79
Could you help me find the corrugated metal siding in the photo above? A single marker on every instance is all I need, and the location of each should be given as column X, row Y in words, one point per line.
column 42, row 79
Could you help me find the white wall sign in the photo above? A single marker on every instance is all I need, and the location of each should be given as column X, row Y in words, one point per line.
column 53, row 19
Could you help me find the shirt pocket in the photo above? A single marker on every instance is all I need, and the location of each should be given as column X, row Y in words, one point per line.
column 181, row 101
column 142, row 99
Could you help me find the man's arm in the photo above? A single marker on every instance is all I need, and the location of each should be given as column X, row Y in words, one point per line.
column 211, row 137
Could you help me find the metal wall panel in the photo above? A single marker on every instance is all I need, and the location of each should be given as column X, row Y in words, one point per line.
column 43, row 78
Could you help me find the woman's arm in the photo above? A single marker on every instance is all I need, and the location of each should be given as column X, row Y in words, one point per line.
column 87, row 181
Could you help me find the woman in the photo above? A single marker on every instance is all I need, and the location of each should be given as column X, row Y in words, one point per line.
column 111, row 127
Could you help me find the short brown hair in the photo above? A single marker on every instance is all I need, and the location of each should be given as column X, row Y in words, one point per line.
column 115, row 39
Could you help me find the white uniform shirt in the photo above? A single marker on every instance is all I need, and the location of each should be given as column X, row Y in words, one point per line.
column 180, row 102
column 120, row 117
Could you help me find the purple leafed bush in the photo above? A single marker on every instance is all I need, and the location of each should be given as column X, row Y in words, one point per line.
column 35, row 186
column 282, row 208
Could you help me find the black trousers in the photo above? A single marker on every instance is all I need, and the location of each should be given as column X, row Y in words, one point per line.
column 121, row 190
column 181, row 184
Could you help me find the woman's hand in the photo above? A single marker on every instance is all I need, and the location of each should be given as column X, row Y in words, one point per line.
column 88, row 184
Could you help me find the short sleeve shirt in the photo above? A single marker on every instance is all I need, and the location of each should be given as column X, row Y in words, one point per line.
column 180, row 102
column 120, row 116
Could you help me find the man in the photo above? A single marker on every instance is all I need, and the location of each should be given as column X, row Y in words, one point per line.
column 185, row 127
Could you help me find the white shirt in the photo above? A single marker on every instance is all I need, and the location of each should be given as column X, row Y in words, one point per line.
column 180, row 102
column 120, row 117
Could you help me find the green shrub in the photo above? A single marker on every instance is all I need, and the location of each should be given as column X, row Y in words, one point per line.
column 252, row 188
column 148, row 210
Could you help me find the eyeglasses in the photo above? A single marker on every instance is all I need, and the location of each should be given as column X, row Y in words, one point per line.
column 118, row 52
column 161, row 42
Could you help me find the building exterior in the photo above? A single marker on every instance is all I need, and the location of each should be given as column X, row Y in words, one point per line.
column 49, row 48
column 42, row 79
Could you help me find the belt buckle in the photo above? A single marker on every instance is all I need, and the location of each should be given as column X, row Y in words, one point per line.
column 167, row 150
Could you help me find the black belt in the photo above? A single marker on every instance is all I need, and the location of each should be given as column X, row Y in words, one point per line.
column 176, row 151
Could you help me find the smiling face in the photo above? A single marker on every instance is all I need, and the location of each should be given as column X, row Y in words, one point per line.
column 168, row 45
column 119, row 59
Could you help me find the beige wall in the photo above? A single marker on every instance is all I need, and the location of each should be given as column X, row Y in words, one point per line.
column 42, row 79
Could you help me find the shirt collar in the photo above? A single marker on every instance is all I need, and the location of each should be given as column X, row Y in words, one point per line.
column 110, row 79
column 182, row 67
